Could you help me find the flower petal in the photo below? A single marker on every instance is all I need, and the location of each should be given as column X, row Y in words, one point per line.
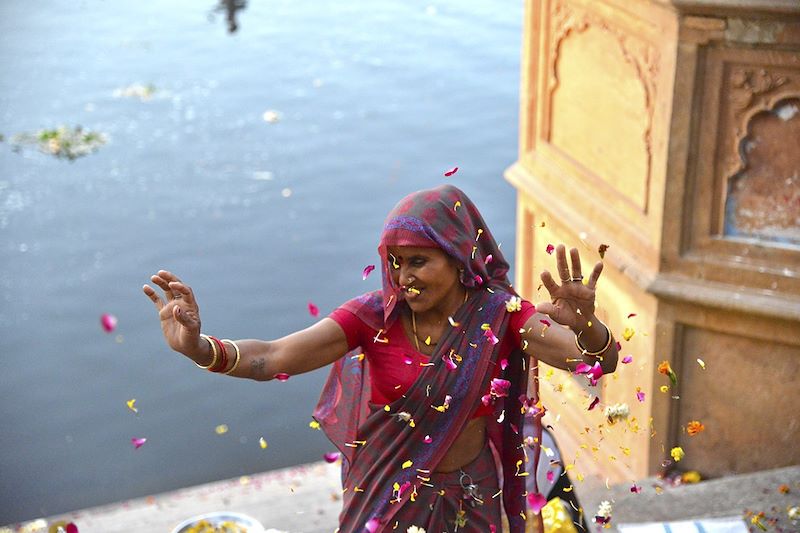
column 282, row 376
column 627, row 359
column 138, row 442
column 313, row 310
column 367, row 270
column 536, row 501
column 132, row 405
column 451, row 171
column 109, row 322
column 549, row 249
column 594, row 403
column 331, row 457
column 372, row 525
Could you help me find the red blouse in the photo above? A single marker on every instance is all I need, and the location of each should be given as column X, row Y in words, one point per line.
column 396, row 364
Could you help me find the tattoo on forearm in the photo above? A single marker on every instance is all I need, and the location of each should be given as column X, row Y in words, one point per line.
column 258, row 367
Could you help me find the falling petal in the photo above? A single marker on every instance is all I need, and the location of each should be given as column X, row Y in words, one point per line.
column 628, row 333
column 549, row 248
column 450, row 172
column 281, row 376
column 407, row 464
column 263, row 443
column 488, row 259
column 503, row 364
column 109, row 322
column 631, row 315
column 71, row 528
column 594, row 403
column 221, row 429
column 677, row 453
column 132, row 405
column 636, row 489
column 367, row 270
column 536, row 501
column 478, row 280
column 138, row 442
column 456, row 205
column 602, row 250
column 372, row 525
column 639, row 394
column 491, row 336
column 545, row 322
column 627, row 359
column 313, row 310
column 550, row 476
column 701, row 363
column 331, row 457
column 499, row 387
column 314, row 425
column 694, row 427
column 582, row 368
column 427, row 439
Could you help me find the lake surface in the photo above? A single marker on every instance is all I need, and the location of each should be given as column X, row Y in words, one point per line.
column 374, row 99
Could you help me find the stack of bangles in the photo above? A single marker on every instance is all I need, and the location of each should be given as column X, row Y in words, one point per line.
column 598, row 353
column 219, row 361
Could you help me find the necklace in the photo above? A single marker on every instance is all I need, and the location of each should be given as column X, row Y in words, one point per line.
column 414, row 325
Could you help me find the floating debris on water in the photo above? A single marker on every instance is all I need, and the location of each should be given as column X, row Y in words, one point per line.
column 137, row 90
column 62, row 142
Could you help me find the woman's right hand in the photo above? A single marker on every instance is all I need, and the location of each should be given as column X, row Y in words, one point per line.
column 179, row 314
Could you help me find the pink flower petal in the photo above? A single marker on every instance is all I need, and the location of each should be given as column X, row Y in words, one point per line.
column 636, row 489
column 478, row 280
column 499, row 387
column 331, row 457
column 486, row 399
column 550, row 476
column 618, row 345
column 514, row 428
column 367, row 270
column 450, row 172
column 545, row 322
column 627, row 359
column 503, row 364
column 489, row 259
column 281, row 376
column 449, row 363
column 582, row 368
column 640, row 396
column 491, row 336
column 109, row 322
column 549, row 248
column 492, row 528
column 427, row 439
column 536, row 501
column 372, row 525
column 631, row 315
column 72, row 528
column 313, row 310
column 138, row 442
column 594, row 403
column 407, row 360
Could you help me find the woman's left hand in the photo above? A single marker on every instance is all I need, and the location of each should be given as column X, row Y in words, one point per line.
column 572, row 302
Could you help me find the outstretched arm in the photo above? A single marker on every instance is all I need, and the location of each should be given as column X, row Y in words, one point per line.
column 303, row 351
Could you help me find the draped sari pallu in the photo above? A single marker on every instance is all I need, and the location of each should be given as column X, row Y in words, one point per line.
column 386, row 459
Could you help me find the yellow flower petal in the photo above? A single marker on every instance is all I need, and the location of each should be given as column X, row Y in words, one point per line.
column 131, row 405
column 263, row 443
column 408, row 464
column 221, row 429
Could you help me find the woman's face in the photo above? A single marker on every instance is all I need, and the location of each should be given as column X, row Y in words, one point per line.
column 428, row 277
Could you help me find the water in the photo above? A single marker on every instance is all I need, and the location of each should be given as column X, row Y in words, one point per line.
column 376, row 99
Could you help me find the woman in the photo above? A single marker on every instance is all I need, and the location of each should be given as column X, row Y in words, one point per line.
column 427, row 396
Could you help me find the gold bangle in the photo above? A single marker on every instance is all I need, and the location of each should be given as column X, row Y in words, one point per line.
column 238, row 356
column 213, row 352
column 584, row 351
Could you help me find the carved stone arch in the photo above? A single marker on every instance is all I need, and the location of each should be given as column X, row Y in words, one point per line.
column 762, row 199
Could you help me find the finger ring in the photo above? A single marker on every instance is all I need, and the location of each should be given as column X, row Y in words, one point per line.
column 177, row 296
column 579, row 278
column 565, row 280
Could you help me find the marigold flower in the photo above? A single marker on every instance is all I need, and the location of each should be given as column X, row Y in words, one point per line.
column 694, row 427
column 692, row 476
column 677, row 453
column 514, row 304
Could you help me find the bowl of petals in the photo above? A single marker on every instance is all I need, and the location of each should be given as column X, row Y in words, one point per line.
column 220, row 522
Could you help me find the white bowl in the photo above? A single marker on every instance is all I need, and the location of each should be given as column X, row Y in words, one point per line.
column 217, row 518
